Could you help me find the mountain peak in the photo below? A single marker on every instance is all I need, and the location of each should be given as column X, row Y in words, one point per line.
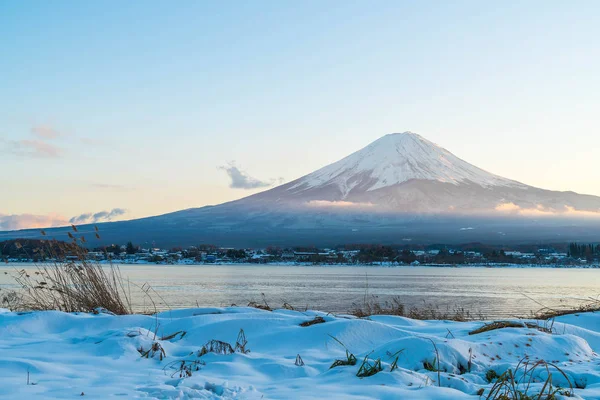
column 402, row 136
column 402, row 140
column 395, row 159
column 405, row 134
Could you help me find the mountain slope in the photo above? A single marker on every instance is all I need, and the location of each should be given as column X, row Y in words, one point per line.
column 400, row 188
column 395, row 159
column 404, row 172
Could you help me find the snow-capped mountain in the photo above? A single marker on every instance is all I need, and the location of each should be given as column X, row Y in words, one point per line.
column 406, row 173
column 401, row 188
column 395, row 159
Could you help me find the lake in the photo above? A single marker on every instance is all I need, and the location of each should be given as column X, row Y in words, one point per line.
column 491, row 292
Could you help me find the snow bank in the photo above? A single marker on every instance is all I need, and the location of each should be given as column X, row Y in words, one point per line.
column 100, row 356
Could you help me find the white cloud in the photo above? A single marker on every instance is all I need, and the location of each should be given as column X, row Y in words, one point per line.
column 241, row 180
column 102, row 216
column 27, row 221
column 342, row 204
column 542, row 211
column 32, row 221
column 34, row 148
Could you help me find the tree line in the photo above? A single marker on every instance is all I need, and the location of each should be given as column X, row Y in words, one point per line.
column 587, row 251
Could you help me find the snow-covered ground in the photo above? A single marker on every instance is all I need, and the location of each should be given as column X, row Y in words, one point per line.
column 98, row 356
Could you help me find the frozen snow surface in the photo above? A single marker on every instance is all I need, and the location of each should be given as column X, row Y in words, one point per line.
column 397, row 158
column 60, row 355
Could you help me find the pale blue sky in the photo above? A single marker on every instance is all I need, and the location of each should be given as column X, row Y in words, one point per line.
column 134, row 105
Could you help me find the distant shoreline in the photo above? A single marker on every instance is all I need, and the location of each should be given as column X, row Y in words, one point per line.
column 317, row 265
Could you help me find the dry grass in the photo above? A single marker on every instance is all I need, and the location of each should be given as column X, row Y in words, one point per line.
column 180, row 334
column 11, row 300
column 73, row 285
column 510, row 324
column 155, row 350
column 547, row 313
column 349, row 360
column 372, row 306
column 224, row 348
column 314, row 321
column 184, row 368
column 217, row 347
column 241, row 343
column 397, row 354
column 261, row 306
column 497, row 325
column 431, row 312
column 433, row 367
column 550, row 313
column 517, row 384
column 369, row 367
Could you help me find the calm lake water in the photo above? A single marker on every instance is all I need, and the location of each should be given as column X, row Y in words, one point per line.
column 493, row 292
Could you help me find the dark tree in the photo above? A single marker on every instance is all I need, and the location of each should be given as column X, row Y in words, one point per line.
column 130, row 248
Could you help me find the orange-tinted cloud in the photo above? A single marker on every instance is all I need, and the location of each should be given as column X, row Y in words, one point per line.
column 343, row 204
column 39, row 148
column 45, row 132
column 35, row 148
column 32, row 221
column 27, row 221
column 539, row 210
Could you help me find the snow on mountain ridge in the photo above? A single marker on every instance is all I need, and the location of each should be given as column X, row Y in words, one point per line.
column 397, row 158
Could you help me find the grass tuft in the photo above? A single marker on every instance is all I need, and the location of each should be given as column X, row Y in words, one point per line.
column 497, row 325
column 155, row 350
column 73, row 285
column 217, row 347
column 184, row 368
column 397, row 354
column 181, row 335
column 11, row 300
column 241, row 342
column 433, row 367
column 372, row 306
column 516, row 385
column 369, row 368
column 349, row 360
column 491, row 376
column 314, row 321
column 261, row 306
column 510, row 324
